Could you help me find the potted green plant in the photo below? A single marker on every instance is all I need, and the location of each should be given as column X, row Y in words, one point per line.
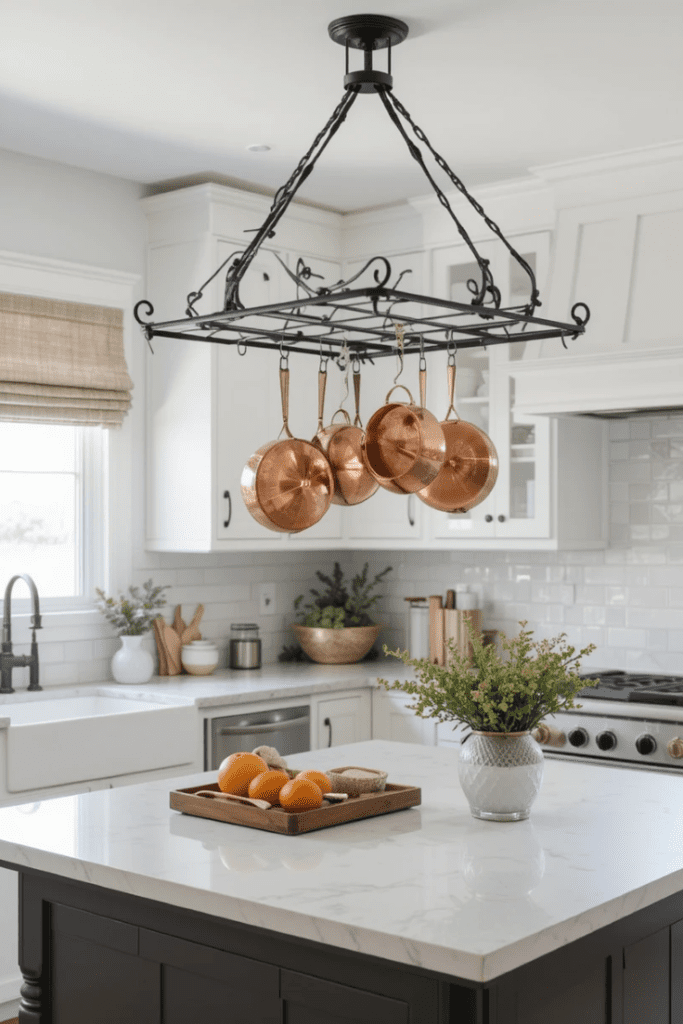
column 132, row 617
column 335, row 627
column 501, row 698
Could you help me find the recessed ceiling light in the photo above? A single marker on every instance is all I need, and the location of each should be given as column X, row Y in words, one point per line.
column 259, row 147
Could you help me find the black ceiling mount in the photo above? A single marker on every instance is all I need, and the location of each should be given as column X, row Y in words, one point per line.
column 360, row 314
column 368, row 32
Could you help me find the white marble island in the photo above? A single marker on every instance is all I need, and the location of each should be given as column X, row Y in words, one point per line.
column 430, row 888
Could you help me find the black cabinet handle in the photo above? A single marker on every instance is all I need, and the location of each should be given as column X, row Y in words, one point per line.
column 328, row 723
column 488, row 519
column 411, row 517
column 226, row 522
column 501, row 519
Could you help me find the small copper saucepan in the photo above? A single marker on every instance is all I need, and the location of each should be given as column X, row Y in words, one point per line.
column 471, row 466
column 342, row 444
column 404, row 447
column 287, row 485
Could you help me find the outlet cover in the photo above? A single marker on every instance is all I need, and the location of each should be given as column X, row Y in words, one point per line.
column 267, row 599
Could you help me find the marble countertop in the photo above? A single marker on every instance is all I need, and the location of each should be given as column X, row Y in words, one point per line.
column 429, row 886
column 227, row 686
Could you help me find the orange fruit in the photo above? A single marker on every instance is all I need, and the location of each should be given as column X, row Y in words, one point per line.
column 319, row 778
column 237, row 771
column 301, row 795
column 267, row 785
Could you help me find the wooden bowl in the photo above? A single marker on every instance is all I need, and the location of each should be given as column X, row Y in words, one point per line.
column 343, row 646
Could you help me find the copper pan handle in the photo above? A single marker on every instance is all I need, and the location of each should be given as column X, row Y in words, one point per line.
column 322, row 384
column 356, row 391
column 403, row 388
column 344, row 414
column 284, row 395
column 451, row 390
column 423, row 388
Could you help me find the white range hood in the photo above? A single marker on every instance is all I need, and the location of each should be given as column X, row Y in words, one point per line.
column 600, row 384
column 618, row 247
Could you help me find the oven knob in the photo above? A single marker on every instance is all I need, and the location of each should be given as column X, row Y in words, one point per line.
column 606, row 740
column 547, row 736
column 578, row 737
column 646, row 744
column 675, row 747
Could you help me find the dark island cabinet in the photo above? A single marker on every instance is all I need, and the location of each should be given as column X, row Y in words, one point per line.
column 94, row 956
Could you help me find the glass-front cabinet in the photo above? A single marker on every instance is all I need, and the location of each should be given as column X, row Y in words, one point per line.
column 518, row 506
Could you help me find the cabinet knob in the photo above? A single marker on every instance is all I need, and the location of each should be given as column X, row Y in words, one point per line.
column 226, row 522
column 501, row 519
column 488, row 519
column 411, row 515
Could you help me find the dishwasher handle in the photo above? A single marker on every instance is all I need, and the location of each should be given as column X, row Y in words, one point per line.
column 241, row 730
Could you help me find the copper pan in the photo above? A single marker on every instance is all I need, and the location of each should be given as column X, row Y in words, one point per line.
column 287, row 485
column 404, row 446
column 471, row 466
column 342, row 444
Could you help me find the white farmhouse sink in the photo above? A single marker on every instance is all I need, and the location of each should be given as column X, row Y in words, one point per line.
column 54, row 741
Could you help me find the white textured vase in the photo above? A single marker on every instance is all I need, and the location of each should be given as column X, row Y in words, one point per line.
column 500, row 774
column 132, row 663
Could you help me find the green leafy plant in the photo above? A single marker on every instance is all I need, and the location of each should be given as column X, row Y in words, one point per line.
column 338, row 605
column 132, row 616
column 495, row 694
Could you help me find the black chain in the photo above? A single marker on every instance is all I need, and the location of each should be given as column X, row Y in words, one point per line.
column 283, row 198
column 487, row 280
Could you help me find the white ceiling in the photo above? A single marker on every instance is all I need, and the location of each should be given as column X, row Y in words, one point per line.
column 154, row 90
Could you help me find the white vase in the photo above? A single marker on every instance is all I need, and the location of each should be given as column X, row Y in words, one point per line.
column 132, row 663
column 500, row 774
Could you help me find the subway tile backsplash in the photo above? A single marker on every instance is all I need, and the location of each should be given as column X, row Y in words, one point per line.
column 627, row 598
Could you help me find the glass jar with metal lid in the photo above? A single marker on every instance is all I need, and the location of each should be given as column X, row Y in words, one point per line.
column 245, row 645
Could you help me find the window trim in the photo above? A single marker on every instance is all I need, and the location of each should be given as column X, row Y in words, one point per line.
column 74, row 282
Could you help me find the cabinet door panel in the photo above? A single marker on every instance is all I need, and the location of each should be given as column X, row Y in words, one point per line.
column 312, row 1001
column 248, row 409
column 349, row 720
column 646, row 980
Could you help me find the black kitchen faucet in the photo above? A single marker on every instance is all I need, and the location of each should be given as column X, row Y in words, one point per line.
column 8, row 660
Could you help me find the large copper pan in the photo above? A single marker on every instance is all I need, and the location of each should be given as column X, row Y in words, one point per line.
column 471, row 466
column 342, row 444
column 404, row 447
column 287, row 485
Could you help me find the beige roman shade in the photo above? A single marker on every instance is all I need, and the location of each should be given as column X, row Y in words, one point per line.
column 62, row 362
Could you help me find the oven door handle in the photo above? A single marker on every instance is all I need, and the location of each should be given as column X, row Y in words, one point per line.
column 248, row 730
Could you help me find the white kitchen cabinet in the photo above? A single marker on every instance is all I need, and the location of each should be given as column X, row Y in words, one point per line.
column 341, row 719
column 211, row 406
column 551, row 480
column 392, row 719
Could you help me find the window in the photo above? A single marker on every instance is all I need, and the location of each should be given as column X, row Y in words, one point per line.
column 52, row 521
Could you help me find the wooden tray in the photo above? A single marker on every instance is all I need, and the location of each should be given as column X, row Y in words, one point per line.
column 276, row 819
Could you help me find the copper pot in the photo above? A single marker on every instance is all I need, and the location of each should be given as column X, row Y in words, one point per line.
column 471, row 466
column 404, row 446
column 342, row 444
column 287, row 485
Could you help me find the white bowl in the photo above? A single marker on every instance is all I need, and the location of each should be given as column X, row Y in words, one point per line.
column 200, row 657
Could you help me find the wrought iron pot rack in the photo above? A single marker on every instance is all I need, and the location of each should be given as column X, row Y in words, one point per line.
column 359, row 315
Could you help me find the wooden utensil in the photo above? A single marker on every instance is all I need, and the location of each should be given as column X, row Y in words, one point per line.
column 263, row 804
column 172, row 647
column 191, row 632
column 161, row 646
column 178, row 623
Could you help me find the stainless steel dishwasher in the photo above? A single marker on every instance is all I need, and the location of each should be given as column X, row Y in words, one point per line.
column 286, row 729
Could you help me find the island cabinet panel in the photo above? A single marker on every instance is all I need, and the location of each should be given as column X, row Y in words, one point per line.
column 646, row 980
column 308, row 1000
column 96, row 973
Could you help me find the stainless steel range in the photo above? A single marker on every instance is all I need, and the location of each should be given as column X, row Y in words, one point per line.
column 628, row 718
